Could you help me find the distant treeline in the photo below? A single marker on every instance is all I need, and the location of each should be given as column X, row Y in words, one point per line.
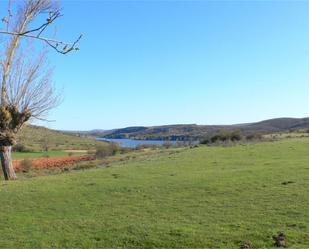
column 193, row 132
column 224, row 136
column 180, row 138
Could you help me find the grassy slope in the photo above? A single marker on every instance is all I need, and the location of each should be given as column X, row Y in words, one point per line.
column 35, row 137
column 208, row 197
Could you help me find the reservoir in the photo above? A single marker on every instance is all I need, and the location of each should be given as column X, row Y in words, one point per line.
column 132, row 143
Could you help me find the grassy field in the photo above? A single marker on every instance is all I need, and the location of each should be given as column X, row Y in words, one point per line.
column 206, row 197
column 36, row 138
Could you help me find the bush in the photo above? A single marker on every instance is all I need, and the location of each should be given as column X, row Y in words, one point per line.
column 26, row 165
column 107, row 150
column 253, row 137
column 21, row 148
column 167, row 145
column 235, row 136
column 205, row 141
column 102, row 151
column 223, row 136
column 83, row 166
column 215, row 138
column 126, row 150
column 114, row 147
column 70, row 154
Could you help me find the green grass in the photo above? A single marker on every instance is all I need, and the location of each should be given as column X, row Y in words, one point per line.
column 36, row 138
column 207, row 197
column 28, row 155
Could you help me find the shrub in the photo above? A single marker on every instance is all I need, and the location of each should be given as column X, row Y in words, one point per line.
column 103, row 151
column 223, row 136
column 167, row 145
column 114, row 147
column 83, row 166
column 26, row 165
column 250, row 137
column 205, row 141
column 235, row 136
column 107, row 150
column 70, row 154
column 21, row 148
column 253, row 137
column 125, row 150
column 215, row 138
column 180, row 144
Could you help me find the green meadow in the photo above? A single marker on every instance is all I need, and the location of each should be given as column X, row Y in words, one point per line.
column 205, row 197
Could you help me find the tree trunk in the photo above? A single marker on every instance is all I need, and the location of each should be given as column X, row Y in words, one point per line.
column 7, row 163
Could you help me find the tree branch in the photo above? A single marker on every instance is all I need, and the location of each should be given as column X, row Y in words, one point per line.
column 32, row 9
column 66, row 47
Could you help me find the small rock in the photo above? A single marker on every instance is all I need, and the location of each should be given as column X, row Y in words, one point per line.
column 245, row 245
column 279, row 240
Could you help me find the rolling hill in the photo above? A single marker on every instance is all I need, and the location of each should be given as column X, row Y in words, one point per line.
column 37, row 138
column 193, row 131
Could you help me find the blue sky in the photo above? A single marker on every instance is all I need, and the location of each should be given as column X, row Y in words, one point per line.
column 167, row 62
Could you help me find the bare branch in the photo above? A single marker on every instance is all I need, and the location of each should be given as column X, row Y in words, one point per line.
column 8, row 21
column 65, row 48
column 26, row 86
column 30, row 11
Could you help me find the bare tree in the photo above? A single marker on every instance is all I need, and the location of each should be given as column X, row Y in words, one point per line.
column 26, row 88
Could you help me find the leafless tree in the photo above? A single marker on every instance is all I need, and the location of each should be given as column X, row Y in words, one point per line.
column 26, row 88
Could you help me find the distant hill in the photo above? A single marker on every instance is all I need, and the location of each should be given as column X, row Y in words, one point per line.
column 193, row 131
column 37, row 138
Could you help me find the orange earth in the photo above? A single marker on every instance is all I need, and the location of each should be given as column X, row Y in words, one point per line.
column 54, row 162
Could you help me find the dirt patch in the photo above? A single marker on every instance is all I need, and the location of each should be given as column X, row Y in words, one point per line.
column 54, row 162
column 79, row 151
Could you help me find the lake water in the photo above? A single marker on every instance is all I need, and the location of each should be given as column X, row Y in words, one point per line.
column 132, row 143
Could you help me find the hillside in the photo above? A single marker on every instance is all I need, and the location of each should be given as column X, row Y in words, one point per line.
column 38, row 138
column 193, row 131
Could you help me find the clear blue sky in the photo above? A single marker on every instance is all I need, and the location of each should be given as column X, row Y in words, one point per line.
column 167, row 62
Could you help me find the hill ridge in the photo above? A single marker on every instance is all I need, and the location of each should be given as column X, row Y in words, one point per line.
column 194, row 131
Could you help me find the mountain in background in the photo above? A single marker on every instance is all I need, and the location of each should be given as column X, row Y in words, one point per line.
column 193, row 131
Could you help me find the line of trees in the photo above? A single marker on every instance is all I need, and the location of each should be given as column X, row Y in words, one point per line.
column 224, row 136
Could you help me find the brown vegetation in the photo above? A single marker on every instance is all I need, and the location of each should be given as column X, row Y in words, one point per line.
column 50, row 163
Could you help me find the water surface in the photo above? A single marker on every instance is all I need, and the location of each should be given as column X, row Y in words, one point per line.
column 132, row 143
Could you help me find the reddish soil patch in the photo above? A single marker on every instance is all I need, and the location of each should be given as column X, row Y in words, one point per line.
column 54, row 162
